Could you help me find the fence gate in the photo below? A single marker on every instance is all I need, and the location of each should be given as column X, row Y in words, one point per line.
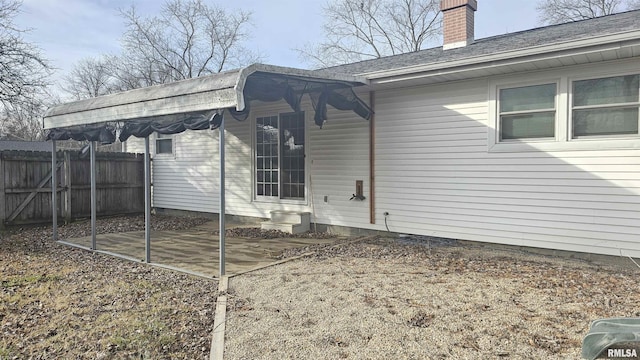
column 25, row 186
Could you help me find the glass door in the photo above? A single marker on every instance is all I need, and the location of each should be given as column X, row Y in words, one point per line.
column 292, row 142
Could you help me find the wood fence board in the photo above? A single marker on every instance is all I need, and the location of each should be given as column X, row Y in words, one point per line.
column 120, row 185
column 32, row 195
column 3, row 198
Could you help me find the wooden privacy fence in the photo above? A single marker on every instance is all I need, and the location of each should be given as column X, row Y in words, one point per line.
column 25, row 186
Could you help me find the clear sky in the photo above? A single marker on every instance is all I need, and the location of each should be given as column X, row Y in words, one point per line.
column 69, row 30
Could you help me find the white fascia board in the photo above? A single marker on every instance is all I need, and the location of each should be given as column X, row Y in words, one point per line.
column 203, row 93
column 209, row 100
column 568, row 48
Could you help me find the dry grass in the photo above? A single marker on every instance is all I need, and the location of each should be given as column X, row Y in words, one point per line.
column 60, row 302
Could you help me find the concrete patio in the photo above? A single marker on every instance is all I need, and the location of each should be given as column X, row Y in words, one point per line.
column 196, row 250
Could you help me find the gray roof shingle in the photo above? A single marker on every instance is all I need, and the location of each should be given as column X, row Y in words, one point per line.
column 547, row 35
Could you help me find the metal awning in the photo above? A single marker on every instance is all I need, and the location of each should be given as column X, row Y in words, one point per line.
column 194, row 104
column 218, row 91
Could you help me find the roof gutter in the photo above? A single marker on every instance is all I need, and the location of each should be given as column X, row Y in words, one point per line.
column 580, row 47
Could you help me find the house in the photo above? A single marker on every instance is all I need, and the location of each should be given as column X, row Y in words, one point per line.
column 24, row 145
column 528, row 138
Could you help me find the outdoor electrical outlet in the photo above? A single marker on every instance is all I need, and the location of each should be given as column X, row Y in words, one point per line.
column 326, row 198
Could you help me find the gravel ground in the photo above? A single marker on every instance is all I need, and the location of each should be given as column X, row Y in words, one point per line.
column 58, row 302
column 391, row 299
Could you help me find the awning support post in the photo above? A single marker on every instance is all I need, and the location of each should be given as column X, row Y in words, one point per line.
column 222, row 200
column 93, row 194
column 147, row 201
column 372, row 159
column 54, row 189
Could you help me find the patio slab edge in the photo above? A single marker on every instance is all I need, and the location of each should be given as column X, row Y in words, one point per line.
column 360, row 239
column 272, row 264
column 219, row 322
column 135, row 260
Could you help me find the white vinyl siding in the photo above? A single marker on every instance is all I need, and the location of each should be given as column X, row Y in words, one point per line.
column 340, row 157
column 440, row 170
column 435, row 177
column 188, row 178
column 337, row 156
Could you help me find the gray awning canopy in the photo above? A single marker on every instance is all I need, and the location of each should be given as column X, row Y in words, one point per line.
column 197, row 103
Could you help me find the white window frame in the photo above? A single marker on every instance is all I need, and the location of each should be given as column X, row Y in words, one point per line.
column 499, row 113
column 161, row 137
column 599, row 137
column 276, row 199
column 563, row 141
column 495, row 143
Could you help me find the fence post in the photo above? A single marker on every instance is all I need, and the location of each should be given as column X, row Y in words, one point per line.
column 54, row 190
column 147, row 201
column 3, row 198
column 92, row 161
column 66, row 178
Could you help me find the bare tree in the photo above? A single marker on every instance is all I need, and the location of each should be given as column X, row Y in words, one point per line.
column 108, row 74
column 366, row 29
column 561, row 11
column 188, row 39
column 91, row 77
column 23, row 121
column 23, row 70
column 23, row 79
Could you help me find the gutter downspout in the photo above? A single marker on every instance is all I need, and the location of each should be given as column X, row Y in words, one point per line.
column 372, row 158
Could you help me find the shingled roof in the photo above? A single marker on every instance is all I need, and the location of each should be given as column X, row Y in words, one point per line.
column 548, row 35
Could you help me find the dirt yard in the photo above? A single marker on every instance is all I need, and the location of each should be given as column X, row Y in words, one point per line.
column 384, row 299
column 57, row 302
column 372, row 299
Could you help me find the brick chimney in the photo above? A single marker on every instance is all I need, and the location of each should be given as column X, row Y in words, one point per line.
column 458, row 22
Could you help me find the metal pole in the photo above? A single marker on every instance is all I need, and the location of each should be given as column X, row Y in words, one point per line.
column 93, row 195
column 147, row 201
column 222, row 202
column 66, row 174
column 54, row 190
